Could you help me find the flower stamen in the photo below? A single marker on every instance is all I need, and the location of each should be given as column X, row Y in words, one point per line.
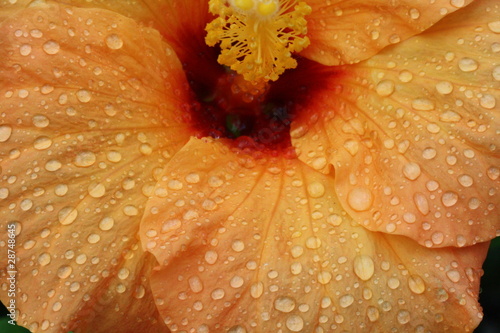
column 257, row 37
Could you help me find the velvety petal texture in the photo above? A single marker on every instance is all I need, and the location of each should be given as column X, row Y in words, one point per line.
column 412, row 133
column 349, row 31
column 91, row 110
column 247, row 243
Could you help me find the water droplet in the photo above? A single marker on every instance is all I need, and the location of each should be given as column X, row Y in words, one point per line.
column 67, row 215
column 364, row 267
column 42, row 143
column 218, row 293
column 44, row 259
column 360, row 199
column 64, row 271
column 494, row 26
column 57, row 306
column 83, row 96
column 93, row 238
column 238, row 245
column 295, row 323
column 257, row 289
column 496, row 73
column 40, row 121
column 393, row 283
column 106, row 223
column 236, row 282
column 372, row 313
column 313, row 243
column 316, row 189
column 324, row 277
column 5, row 133
column 403, row 317
column 51, row 47
column 96, row 190
column 85, row 159
column 444, row 87
column 346, row 301
column 195, row 284
column 465, row 180
column 416, row 284
column 453, row 275
column 114, row 42
column 211, row 257
column 25, row 49
column 385, row 88
column 284, row 304
column 422, row 104
column 411, row 171
column 405, row 76
column 467, row 65
column 488, row 101
column 449, row 198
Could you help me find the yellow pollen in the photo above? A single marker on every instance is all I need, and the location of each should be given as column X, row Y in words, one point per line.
column 257, row 37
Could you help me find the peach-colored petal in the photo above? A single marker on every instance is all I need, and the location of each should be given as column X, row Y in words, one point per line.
column 90, row 107
column 349, row 31
column 413, row 133
column 262, row 245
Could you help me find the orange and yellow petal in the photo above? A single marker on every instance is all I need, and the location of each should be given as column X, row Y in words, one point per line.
column 91, row 109
column 347, row 31
column 412, row 133
column 248, row 243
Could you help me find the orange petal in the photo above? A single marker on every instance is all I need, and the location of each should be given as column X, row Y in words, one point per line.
column 262, row 244
column 90, row 108
column 349, row 31
column 413, row 133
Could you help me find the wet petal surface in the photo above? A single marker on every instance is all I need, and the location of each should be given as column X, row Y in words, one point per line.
column 412, row 133
column 262, row 244
column 90, row 112
column 347, row 31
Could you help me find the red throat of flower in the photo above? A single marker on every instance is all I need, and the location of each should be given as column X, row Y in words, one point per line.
column 252, row 99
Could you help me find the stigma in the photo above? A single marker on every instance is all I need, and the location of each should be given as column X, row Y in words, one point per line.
column 258, row 37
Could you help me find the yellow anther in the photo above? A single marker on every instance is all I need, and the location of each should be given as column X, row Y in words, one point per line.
column 257, row 37
column 267, row 8
column 243, row 4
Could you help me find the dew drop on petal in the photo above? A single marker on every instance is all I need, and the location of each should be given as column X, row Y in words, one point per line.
column 372, row 313
column 51, row 47
column 449, row 198
column 85, row 159
column 195, row 284
column 316, row 190
column 403, row 317
column 411, row 171
column 64, row 271
column 453, row 275
column 416, row 284
column 360, row 199
column 106, row 223
column 364, row 267
column 346, row 301
column 444, row 87
column 467, row 65
column 5, row 133
column 494, row 26
column 284, row 304
column 44, row 259
column 295, row 323
column 83, row 96
column 114, row 42
column 385, row 88
column 67, row 215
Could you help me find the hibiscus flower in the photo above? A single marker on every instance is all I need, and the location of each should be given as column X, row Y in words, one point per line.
column 148, row 188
